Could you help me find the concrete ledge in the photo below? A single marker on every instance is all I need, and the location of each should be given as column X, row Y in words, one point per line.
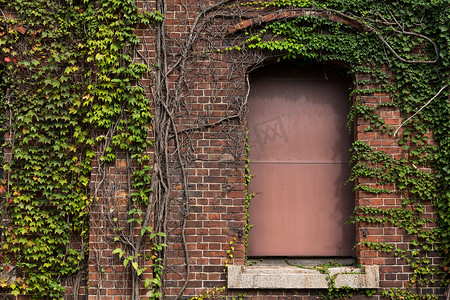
column 289, row 277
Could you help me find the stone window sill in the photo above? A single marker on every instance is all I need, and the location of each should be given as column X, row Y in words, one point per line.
column 291, row 277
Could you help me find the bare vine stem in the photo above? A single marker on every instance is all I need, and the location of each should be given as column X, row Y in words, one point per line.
column 423, row 106
column 372, row 29
column 192, row 37
column 185, row 212
column 168, row 100
column 209, row 125
column 4, row 16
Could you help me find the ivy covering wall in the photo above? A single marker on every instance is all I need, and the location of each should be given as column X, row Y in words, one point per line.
column 71, row 96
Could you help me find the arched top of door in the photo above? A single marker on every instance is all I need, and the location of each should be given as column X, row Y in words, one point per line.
column 291, row 13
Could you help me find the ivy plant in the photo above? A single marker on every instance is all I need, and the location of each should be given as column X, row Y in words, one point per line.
column 69, row 84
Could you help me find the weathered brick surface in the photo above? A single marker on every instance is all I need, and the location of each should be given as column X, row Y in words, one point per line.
column 216, row 85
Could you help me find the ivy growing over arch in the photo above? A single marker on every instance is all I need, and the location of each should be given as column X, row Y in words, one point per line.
column 411, row 39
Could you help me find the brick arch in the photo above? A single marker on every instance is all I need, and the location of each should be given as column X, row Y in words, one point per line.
column 294, row 13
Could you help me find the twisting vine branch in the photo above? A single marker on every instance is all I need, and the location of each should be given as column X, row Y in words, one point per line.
column 372, row 29
column 423, row 106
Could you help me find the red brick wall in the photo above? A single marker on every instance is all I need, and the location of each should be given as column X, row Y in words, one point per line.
column 215, row 88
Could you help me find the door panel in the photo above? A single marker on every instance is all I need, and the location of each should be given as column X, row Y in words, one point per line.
column 299, row 153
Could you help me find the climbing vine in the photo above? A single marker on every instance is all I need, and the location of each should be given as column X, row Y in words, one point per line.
column 70, row 86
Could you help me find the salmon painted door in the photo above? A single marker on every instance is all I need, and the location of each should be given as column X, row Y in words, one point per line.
column 299, row 154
